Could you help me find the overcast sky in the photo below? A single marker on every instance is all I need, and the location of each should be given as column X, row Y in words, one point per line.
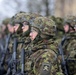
column 8, row 8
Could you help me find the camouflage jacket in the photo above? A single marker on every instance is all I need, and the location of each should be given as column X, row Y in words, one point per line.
column 44, row 51
column 69, row 49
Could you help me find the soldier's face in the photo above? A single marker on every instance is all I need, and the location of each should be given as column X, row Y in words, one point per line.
column 66, row 28
column 10, row 28
column 16, row 27
column 33, row 35
column 25, row 27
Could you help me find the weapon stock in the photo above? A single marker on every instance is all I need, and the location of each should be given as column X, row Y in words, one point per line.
column 14, row 56
column 2, row 60
column 22, row 61
column 12, row 67
column 62, row 55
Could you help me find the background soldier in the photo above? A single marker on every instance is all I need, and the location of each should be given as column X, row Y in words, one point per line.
column 69, row 45
column 5, row 25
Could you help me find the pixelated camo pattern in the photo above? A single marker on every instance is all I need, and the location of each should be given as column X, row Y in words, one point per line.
column 71, row 48
column 71, row 52
column 41, row 57
column 71, row 20
column 45, row 25
column 21, row 17
column 25, row 16
column 46, row 56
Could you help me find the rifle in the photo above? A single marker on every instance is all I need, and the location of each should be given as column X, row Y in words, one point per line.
column 14, row 56
column 62, row 55
column 12, row 67
column 22, row 61
column 2, row 60
column 14, row 61
column 22, row 72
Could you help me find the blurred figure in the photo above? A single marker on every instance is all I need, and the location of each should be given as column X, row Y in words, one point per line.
column 69, row 45
column 2, row 45
column 5, row 25
column 2, row 34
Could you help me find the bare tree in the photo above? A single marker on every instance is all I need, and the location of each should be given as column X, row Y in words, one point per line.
column 46, row 3
column 40, row 6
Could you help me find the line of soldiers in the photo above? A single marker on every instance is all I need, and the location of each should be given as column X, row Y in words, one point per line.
column 38, row 45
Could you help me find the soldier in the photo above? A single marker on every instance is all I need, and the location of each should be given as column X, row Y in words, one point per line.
column 69, row 45
column 44, row 56
column 52, row 17
column 5, row 25
column 68, row 28
column 1, row 39
column 15, row 31
column 15, row 28
column 24, row 20
column 2, row 45
column 59, row 25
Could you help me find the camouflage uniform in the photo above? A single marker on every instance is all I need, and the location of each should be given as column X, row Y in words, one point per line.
column 26, row 17
column 2, row 40
column 69, row 47
column 59, row 28
column 2, row 37
column 20, row 18
column 44, row 56
column 11, row 42
column 59, row 35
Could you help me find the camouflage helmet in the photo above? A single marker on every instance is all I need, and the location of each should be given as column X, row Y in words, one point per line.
column 21, row 17
column 45, row 26
column 12, row 22
column 71, row 21
column 34, row 15
column 59, row 23
column 6, row 21
column 52, row 17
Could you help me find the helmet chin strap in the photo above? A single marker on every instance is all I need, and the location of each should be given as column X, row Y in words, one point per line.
column 26, row 33
column 19, row 30
column 38, row 38
column 72, row 28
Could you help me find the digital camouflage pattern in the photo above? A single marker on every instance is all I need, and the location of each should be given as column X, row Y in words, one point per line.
column 69, row 47
column 44, row 57
column 22, row 16
column 59, row 22
column 59, row 26
column 70, row 20
column 52, row 17
column 45, row 52
column 35, row 15
column 45, row 25
column 42, row 54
